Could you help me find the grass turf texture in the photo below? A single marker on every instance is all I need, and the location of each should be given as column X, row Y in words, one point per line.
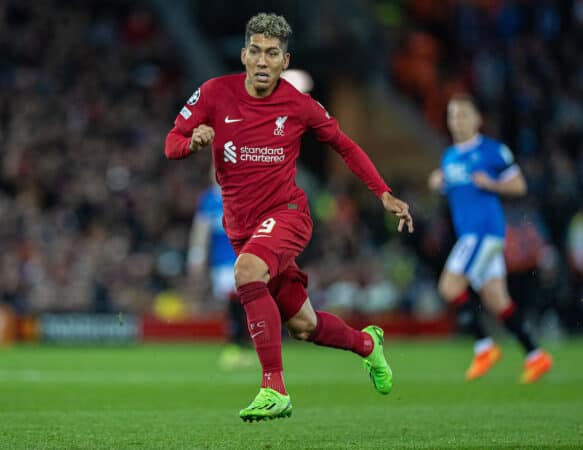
column 173, row 397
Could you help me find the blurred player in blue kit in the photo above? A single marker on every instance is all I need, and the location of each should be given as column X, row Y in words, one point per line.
column 211, row 256
column 475, row 171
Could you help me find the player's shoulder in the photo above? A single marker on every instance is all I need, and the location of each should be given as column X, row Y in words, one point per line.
column 490, row 143
column 223, row 81
column 497, row 150
column 292, row 93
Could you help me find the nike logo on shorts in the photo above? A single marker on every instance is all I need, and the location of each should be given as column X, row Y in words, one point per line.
column 227, row 120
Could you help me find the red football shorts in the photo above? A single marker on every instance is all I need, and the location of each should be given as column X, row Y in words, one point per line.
column 278, row 240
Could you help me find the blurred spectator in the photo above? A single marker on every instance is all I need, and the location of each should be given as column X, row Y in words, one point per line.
column 521, row 60
column 90, row 219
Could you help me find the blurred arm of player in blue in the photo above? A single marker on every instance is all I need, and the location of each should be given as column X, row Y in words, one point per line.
column 513, row 185
column 198, row 250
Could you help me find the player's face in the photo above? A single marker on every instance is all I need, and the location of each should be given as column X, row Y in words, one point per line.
column 463, row 120
column 264, row 60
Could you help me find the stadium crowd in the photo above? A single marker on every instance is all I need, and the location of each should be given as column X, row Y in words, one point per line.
column 93, row 219
column 521, row 61
column 89, row 217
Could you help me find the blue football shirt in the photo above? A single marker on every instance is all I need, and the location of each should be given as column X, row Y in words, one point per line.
column 474, row 210
column 211, row 207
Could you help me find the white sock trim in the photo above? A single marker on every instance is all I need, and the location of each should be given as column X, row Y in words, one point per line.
column 482, row 345
column 533, row 354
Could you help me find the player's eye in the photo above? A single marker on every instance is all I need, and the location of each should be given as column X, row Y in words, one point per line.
column 273, row 53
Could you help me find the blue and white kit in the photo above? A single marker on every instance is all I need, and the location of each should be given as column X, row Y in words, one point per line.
column 477, row 214
column 221, row 258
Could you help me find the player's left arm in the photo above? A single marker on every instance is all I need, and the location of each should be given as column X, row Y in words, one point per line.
column 510, row 182
column 327, row 130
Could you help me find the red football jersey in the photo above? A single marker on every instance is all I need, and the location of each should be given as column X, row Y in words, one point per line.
column 256, row 146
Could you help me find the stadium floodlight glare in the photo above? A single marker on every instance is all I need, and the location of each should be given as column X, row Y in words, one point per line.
column 300, row 79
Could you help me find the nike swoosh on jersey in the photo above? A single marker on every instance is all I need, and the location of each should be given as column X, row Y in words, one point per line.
column 227, row 120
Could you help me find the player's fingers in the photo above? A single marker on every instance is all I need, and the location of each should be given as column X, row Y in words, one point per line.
column 400, row 226
column 410, row 226
column 209, row 135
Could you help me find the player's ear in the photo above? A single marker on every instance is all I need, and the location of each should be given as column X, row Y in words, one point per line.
column 243, row 55
column 286, row 58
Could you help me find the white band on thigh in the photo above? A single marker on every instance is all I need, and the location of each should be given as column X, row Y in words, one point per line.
column 479, row 258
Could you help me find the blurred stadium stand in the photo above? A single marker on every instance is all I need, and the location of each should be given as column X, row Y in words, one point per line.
column 93, row 219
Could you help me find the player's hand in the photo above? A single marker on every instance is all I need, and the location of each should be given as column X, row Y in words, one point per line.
column 435, row 180
column 483, row 181
column 400, row 209
column 202, row 136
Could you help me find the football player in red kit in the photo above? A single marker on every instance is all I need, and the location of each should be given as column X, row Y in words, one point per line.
column 254, row 121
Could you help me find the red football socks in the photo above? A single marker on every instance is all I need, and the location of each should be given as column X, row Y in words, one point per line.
column 332, row 331
column 264, row 323
column 461, row 299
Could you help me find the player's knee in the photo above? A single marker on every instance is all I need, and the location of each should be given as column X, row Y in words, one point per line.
column 301, row 329
column 447, row 292
column 247, row 270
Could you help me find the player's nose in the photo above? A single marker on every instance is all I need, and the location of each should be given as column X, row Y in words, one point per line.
column 262, row 61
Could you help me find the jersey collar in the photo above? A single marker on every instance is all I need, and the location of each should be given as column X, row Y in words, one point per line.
column 469, row 144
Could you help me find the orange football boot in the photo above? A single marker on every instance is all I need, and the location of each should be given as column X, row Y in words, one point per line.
column 483, row 362
column 536, row 367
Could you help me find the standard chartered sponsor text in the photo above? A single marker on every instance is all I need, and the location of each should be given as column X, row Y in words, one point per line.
column 262, row 154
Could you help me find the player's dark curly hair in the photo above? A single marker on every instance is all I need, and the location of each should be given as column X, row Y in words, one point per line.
column 270, row 25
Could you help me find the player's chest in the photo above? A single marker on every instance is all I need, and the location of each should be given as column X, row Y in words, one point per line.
column 458, row 168
column 256, row 125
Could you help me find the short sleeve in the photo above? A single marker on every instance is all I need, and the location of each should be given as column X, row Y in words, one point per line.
column 195, row 111
column 503, row 162
column 319, row 120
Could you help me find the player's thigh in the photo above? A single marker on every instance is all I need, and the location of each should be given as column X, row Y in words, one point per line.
column 477, row 259
column 279, row 239
column 494, row 291
column 453, row 280
column 289, row 290
column 488, row 262
column 451, row 285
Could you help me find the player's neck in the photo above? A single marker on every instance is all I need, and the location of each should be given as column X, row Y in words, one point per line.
column 466, row 144
column 250, row 89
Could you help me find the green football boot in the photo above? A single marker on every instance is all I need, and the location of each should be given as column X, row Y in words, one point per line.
column 376, row 365
column 268, row 404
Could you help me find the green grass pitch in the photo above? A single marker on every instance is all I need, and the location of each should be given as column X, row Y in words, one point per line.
column 174, row 397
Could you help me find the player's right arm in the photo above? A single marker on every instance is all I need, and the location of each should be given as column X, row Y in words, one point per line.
column 191, row 131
